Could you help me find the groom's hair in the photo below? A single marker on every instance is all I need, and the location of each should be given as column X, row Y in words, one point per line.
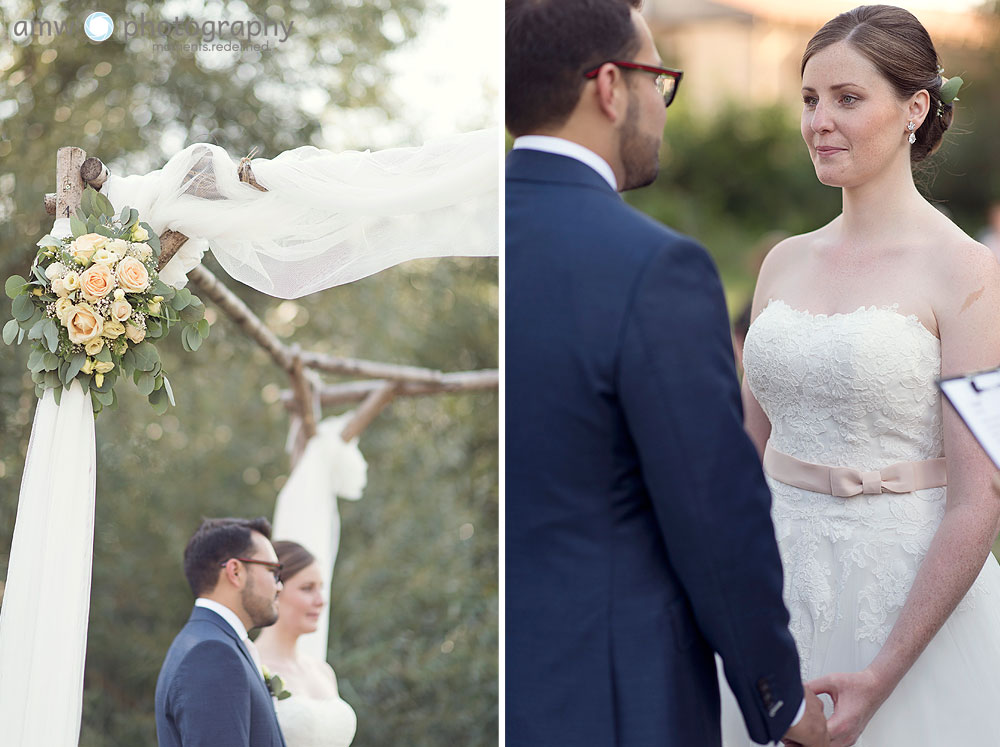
column 214, row 542
column 550, row 44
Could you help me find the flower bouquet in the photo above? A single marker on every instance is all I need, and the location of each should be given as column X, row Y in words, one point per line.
column 94, row 306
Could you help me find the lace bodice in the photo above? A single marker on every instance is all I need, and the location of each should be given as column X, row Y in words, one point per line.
column 846, row 390
column 309, row 722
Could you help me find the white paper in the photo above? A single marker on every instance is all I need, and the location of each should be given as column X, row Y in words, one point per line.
column 977, row 400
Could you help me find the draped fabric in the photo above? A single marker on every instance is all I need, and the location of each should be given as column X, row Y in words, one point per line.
column 46, row 601
column 327, row 218
column 306, row 511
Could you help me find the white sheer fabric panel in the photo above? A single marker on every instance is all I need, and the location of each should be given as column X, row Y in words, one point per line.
column 306, row 510
column 327, row 218
column 46, row 602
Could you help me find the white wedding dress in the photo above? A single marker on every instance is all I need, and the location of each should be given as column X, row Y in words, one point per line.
column 311, row 722
column 858, row 390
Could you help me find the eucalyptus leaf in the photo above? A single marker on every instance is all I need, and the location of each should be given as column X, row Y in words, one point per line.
column 87, row 201
column 77, row 226
column 75, row 364
column 35, row 362
column 57, row 394
column 51, row 379
column 104, row 356
column 22, row 308
column 51, row 332
column 169, row 390
column 192, row 314
column 950, row 89
column 50, row 361
column 35, row 331
column 48, row 240
column 203, row 328
column 39, row 274
column 103, row 205
column 105, row 398
column 145, row 384
column 10, row 330
column 14, row 286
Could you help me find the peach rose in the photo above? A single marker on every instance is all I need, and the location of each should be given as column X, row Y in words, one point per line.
column 84, row 247
column 97, row 282
column 94, row 346
column 83, row 324
column 135, row 334
column 121, row 309
column 132, row 275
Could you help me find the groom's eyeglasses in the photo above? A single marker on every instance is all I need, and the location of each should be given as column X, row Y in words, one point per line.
column 275, row 568
column 667, row 79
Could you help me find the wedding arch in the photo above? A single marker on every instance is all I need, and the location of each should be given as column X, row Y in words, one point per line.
column 377, row 210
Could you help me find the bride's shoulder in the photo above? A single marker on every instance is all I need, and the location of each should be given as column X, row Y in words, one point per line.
column 788, row 255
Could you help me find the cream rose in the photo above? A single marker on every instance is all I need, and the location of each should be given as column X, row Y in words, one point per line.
column 121, row 309
column 84, row 247
column 97, row 282
column 83, row 323
column 118, row 247
column 62, row 306
column 88, row 366
column 135, row 334
column 102, row 367
column 71, row 281
column 139, row 233
column 132, row 275
column 94, row 346
column 59, row 288
column 113, row 329
column 104, row 257
column 55, row 270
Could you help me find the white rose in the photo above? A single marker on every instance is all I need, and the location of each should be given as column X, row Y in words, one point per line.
column 142, row 251
column 84, row 247
column 72, row 281
column 113, row 329
column 62, row 306
column 59, row 288
column 139, row 233
column 55, row 270
column 104, row 257
column 118, row 247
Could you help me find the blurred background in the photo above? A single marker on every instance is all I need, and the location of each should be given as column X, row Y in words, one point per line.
column 414, row 606
column 735, row 172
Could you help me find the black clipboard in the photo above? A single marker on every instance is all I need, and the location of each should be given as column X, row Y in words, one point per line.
column 976, row 398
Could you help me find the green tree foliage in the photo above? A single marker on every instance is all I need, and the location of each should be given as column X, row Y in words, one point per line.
column 414, row 607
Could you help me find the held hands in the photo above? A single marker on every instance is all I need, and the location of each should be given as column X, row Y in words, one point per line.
column 811, row 730
column 856, row 697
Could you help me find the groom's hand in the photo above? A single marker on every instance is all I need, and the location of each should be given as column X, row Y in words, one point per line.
column 811, row 730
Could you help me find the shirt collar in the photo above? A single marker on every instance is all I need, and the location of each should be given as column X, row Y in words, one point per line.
column 225, row 613
column 563, row 147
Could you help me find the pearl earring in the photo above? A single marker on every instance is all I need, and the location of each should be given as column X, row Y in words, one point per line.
column 912, row 138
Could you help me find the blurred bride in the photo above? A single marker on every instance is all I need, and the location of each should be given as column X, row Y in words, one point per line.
column 315, row 715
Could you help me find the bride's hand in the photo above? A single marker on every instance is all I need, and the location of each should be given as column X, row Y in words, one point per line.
column 856, row 697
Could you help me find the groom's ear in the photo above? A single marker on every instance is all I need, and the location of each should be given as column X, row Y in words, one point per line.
column 232, row 573
column 611, row 92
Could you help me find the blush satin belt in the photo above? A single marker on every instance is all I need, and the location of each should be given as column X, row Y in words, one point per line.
column 844, row 482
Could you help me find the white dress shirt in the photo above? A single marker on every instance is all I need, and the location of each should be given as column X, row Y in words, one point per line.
column 568, row 148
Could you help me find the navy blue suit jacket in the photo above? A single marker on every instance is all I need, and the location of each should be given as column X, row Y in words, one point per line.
column 209, row 692
column 638, row 529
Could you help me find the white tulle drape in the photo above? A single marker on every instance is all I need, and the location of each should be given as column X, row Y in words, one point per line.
column 327, row 218
column 306, row 510
column 46, row 601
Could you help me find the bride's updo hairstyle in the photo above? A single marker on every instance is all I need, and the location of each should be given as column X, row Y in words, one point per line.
column 293, row 558
column 902, row 51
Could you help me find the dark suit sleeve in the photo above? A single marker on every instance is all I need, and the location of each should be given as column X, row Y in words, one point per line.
column 210, row 697
column 679, row 392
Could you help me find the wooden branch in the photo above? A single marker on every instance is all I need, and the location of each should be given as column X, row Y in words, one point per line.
column 50, row 203
column 371, row 369
column 355, row 391
column 303, row 395
column 374, row 404
column 69, row 185
column 170, row 243
column 211, row 287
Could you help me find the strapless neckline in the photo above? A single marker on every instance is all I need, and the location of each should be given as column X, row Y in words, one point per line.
column 892, row 309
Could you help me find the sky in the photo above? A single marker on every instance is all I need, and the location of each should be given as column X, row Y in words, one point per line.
column 445, row 81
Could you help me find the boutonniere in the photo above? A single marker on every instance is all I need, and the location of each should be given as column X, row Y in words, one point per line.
column 275, row 685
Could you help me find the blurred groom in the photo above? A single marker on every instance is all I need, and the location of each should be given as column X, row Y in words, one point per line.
column 211, row 690
column 638, row 532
